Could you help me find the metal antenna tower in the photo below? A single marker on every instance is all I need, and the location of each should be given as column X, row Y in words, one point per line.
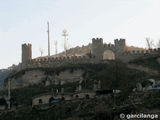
column 48, row 40
column 65, row 34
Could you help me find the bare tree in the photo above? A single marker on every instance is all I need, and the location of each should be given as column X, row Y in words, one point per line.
column 149, row 42
column 158, row 44
column 41, row 51
column 68, row 44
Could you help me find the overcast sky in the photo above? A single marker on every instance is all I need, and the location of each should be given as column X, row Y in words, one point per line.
column 25, row 21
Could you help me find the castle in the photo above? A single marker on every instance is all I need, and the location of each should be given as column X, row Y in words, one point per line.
column 97, row 49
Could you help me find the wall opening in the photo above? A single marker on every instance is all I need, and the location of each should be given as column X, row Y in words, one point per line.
column 63, row 98
column 87, row 96
column 108, row 55
column 40, row 101
column 77, row 96
column 51, row 100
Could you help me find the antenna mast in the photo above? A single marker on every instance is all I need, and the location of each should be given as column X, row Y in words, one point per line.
column 65, row 34
column 48, row 40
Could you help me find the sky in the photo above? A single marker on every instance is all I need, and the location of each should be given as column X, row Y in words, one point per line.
column 25, row 21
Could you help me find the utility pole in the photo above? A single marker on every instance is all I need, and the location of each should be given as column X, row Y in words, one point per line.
column 65, row 34
column 56, row 47
column 48, row 40
column 9, row 93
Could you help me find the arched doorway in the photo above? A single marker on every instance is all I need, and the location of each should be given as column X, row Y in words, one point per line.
column 108, row 55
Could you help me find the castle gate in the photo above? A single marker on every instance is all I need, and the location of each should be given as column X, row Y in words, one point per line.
column 108, row 55
column 108, row 51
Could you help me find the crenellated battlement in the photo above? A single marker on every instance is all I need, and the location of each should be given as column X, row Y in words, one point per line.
column 54, row 59
column 140, row 52
column 136, row 54
column 109, row 45
column 119, row 40
column 26, row 45
column 57, row 61
column 97, row 40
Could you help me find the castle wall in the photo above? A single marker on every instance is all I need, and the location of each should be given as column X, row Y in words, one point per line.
column 132, row 55
column 98, row 49
column 56, row 62
column 109, row 47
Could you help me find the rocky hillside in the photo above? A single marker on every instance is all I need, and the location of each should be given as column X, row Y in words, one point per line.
column 113, row 75
column 72, row 73
column 3, row 75
column 44, row 76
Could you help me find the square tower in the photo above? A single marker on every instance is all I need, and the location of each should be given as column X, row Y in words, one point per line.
column 97, row 48
column 120, row 45
column 26, row 52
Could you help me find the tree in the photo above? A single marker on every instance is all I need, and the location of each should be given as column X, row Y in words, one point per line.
column 149, row 42
column 158, row 44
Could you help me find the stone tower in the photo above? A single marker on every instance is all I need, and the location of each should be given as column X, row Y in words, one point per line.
column 26, row 52
column 120, row 46
column 97, row 48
